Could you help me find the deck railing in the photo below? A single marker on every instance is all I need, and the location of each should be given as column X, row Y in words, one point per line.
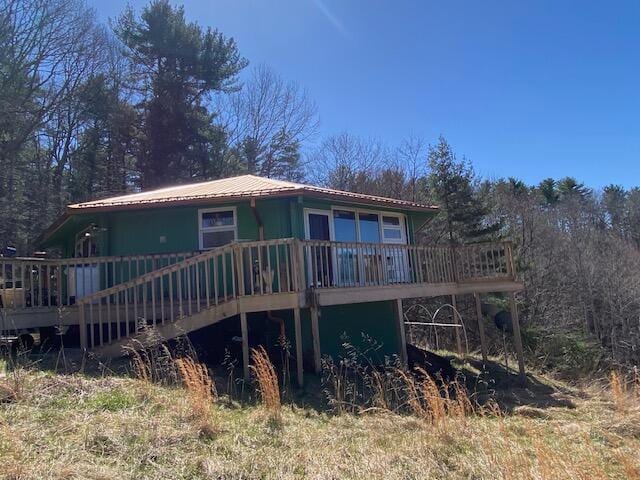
column 186, row 288
column 117, row 296
column 36, row 282
column 338, row 264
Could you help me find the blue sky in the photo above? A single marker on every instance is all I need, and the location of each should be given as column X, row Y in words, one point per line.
column 527, row 89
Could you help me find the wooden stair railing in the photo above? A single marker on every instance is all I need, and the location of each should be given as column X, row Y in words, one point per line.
column 183, row 289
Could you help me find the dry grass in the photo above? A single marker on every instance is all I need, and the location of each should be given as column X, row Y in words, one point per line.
column 266, row 382
column 625, row 391
column 76, row 427
column 201, row 392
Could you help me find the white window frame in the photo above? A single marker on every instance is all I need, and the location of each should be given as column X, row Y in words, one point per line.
column 221, row 228
column 317, row 211
column 402, row 228
column 404, row 240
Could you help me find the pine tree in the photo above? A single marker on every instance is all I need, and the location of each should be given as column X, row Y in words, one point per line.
column 548, row 190
column 451, row 185
column 176, row 66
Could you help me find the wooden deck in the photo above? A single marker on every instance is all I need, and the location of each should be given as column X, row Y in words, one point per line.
column 113, row 298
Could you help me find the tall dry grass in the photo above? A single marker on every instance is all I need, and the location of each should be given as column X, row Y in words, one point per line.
column 267, row 382
column 625, row 391
column 438, row 402
column 201, row 392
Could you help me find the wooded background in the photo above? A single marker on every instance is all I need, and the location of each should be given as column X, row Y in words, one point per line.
column 89, row 111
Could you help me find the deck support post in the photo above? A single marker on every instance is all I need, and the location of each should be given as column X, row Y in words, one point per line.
column 456, row 319
column 82, row 328
column 245, row 344
column 517, row 339
column 298, row 335
column 402, row 337
column 483, row 339
column 315, row 333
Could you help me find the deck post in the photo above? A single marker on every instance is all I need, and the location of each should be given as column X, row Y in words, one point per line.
column 302, row 278
column 237, row 253
column 456, row 319
column 483, row 339
column 402, row 337
column 245, row 344
column 315, row 333
column 83, row 327
column 298, row 334
column 517, row 339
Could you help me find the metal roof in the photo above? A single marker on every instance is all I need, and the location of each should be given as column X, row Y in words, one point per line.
column 225, row 189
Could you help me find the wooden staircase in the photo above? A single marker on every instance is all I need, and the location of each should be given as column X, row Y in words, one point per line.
column 188, row 295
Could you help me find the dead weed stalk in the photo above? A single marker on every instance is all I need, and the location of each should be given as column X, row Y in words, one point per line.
column 201, row 392
column 267, row 382
column 625, row 391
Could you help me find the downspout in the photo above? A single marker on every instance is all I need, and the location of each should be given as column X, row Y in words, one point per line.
column 256, row 215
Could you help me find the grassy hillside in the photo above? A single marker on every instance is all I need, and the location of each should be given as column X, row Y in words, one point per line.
column 103, row 427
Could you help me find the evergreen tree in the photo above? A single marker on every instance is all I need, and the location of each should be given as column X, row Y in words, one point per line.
column 102, row 164
column 570, row 188
column 614, row 198
column 548, row 190
column 451, row 185
column 175, row 66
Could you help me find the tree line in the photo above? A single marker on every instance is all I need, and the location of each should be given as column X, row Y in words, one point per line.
column 89, row 111
column 576, row 249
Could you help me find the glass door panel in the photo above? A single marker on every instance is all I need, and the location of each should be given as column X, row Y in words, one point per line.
column 371, row 267
column 347, row 264
column 396, row 259
column 319, row 257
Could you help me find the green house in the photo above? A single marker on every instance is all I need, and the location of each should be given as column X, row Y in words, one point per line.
column 268, row 257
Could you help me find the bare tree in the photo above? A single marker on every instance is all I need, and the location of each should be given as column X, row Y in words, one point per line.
column 267, row 122
column 347, row 162
column 411, row 156
column 48, row 48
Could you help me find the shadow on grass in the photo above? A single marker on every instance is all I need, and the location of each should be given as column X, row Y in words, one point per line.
column 495, row 382
column 505, row 386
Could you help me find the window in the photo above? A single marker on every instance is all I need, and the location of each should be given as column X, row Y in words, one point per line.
column 344, row 224
column 217, row 227
column 392, row 229
column 369, row 224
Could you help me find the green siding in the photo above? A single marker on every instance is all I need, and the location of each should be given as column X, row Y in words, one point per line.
column 375, row 319
column 139, row 231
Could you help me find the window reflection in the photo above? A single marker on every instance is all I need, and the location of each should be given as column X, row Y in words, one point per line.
column 369, row 228
column 344, row 223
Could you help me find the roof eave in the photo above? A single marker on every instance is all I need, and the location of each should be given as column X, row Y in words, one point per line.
column 53, row 228
column 74, row 210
